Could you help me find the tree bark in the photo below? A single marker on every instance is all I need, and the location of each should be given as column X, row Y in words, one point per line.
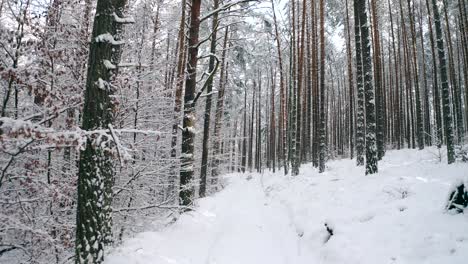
column 186, row 193
column 219, row 115
column 322, row 132
column 360, row 129
column 350, row 84
column 371, row 148
column 447, row 115
column 209, row 87
column 96, row 170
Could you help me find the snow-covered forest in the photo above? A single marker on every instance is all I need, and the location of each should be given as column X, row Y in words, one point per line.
column 233, row 131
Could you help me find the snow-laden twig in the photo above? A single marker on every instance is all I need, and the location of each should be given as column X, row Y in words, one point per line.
column 121, row 152
column 210, row 77
column 123, row 20
column 108, row 38
column 224, row 8
column 12, row 130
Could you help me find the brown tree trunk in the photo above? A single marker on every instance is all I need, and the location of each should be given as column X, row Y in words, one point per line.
column 96, row 168
column 219, row 115
column 186, row 194
column 207, row 119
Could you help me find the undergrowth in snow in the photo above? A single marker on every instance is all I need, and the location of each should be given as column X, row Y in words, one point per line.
column 395, row 216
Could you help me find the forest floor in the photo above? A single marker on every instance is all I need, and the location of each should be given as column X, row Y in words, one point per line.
column 396, row 216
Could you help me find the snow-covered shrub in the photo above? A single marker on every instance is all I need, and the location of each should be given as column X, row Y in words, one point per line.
column 458, row 199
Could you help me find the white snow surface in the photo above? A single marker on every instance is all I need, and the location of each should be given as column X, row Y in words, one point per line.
column 395, row 216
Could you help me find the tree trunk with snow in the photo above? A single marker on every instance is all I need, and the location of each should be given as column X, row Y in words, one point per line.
column 371, row 148
column 96, row 168
column 360, row 129
column 447, row 115
column 180, row 72
column 435, row 82
column 299, row 123
column 378, row 82
column 209, row 87
column 419, row 119
column 219, row 116
column 350, row 84
column 322, row 124
column 456, row 93
column 282, row 135
column 186, row 193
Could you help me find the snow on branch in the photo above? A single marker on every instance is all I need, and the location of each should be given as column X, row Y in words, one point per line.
column 123, row 20
column 108, row 38
column 14, row 131
column 109, row 65
column 121, row 151
column 224, row 8
column 162, row 205
column 211, row 93
column 208, row 37
column 210, row 77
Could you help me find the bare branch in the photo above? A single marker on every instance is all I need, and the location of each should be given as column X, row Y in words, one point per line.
column 210, row 77
column 224, row 8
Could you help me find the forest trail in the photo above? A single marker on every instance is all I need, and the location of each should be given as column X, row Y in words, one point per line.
column 396, row 216
column 238, row 225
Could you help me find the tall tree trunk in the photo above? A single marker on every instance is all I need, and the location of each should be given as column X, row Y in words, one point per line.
column 427, row 115
column 181, row 63
column 251, row 129
column 435, row 81
column 186, row 194
column 456, row 96
column 397, row 113
column 209, row 88
column 360, row 128
column 447, row 115
column 244, row 135
column 272, row 143
column 293, row 91
column 315, row 86
column 297, row 161
column 258, row 141
column 219, row 115
column 322, row 132
column 463, row 21
column 96, row 170
column 282, row 118
column 419, row 119
column 371, row 148
column 378, row 82
column 350, row 84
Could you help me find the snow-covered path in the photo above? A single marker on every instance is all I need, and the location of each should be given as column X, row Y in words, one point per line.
column 243, row 228
column 396, row 216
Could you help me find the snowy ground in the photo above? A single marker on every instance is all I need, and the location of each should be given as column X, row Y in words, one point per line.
column 396, row 216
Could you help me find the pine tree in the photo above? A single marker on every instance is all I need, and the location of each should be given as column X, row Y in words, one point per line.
column 282, row 118
column 379, row 98
column 456, row 94
column 447, row 115
column 299, row 122
column 419, row 119
column 209, row 87
column 219, row 115
column 427, row 114
column 360, row 129
column 181, row 63
column 322, row 132
column 350, row 84
column 371, row 148
column 435, row 81
column 186, row 193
